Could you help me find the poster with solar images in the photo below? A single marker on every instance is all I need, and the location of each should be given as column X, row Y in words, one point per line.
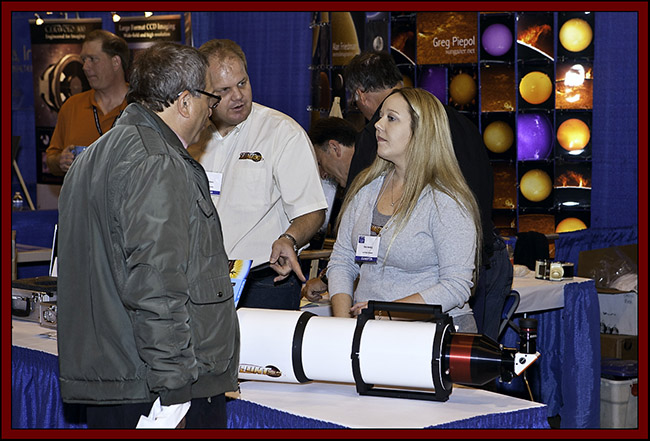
column 525, row 79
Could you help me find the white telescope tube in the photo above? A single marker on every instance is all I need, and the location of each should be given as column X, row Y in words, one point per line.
column 422, row 358
column 295, row 346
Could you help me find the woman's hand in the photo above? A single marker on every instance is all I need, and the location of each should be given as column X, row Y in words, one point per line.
column 357, row 307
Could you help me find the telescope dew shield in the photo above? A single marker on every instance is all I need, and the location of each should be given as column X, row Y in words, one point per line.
column 476, row 359
column 268, row 351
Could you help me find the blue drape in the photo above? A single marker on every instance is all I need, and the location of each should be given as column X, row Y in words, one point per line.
column 566, row 377
column 35, row 398
column 581, row 360
column 520, row 419
column 615, row 144
column 278, row 48
column 569, row 245
column 34, row 228
column 244, row 414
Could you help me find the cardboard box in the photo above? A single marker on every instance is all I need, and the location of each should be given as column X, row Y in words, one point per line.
column 619, row 313
column 603, row 263
column 618, row 309
column 620, row 346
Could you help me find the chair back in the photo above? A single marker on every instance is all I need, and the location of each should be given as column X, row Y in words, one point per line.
column 509, row 307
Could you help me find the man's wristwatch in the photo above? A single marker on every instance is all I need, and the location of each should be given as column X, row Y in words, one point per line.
column 292, row 239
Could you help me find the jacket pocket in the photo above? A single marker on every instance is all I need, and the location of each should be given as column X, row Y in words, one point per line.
column 206, row 207
column 214, row 325
column 215, row 289
column 209, row 229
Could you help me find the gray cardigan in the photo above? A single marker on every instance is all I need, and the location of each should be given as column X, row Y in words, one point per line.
column 432, row 255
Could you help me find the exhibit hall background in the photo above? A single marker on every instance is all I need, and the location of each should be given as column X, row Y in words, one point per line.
column 278, row 47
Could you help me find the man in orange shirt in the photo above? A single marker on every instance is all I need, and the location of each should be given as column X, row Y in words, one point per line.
column 86, row 116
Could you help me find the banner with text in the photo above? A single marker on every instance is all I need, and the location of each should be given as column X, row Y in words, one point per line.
column 447, row 37
column 142, row 32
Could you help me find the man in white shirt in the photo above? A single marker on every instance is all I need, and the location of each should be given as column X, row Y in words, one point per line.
column 264, row 182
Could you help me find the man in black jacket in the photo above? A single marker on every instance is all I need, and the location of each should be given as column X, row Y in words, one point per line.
column 369, row 78
column 145, row 303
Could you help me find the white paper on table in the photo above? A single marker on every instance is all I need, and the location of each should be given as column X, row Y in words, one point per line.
column 163, row 417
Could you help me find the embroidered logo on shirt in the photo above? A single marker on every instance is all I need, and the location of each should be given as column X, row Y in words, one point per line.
column 253, row 156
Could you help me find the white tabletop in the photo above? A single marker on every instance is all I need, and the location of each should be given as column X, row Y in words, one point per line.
column 541, row 295
column 340, row 404
column 535, row 295
column 33, row 336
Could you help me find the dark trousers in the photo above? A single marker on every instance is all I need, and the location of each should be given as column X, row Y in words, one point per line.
column 494, row 285
column 261, row 292
column 203, row 414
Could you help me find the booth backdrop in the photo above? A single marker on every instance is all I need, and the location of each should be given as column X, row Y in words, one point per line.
column 278, row 48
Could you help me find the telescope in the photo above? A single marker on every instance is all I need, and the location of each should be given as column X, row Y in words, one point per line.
column 417, row 359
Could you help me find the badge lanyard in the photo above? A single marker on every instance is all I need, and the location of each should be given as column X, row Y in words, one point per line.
column 368, row 245
column 99, row 127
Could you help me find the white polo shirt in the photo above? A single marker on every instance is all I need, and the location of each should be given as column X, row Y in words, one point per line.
column 269, row 175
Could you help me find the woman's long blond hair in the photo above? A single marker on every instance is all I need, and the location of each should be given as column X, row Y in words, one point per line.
column 430, row 160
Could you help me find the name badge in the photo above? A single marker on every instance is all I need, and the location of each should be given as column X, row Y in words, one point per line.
column 367, row 248
column 214, row 179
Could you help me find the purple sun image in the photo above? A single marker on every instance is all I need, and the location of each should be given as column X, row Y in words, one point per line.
column 534, row 137
column 497, row 39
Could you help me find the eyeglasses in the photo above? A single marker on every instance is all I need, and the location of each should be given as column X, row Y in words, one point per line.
column 210, row 95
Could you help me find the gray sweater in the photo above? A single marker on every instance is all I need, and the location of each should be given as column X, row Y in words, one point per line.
column 433, row 255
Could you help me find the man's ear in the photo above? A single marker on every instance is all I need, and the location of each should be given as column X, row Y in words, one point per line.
column 360, row 95
column 184, row 104
column 335, row 146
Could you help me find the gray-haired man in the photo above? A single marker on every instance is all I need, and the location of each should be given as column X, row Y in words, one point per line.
column 145, row 301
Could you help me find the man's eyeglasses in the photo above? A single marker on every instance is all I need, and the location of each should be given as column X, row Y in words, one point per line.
column 217, row 98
